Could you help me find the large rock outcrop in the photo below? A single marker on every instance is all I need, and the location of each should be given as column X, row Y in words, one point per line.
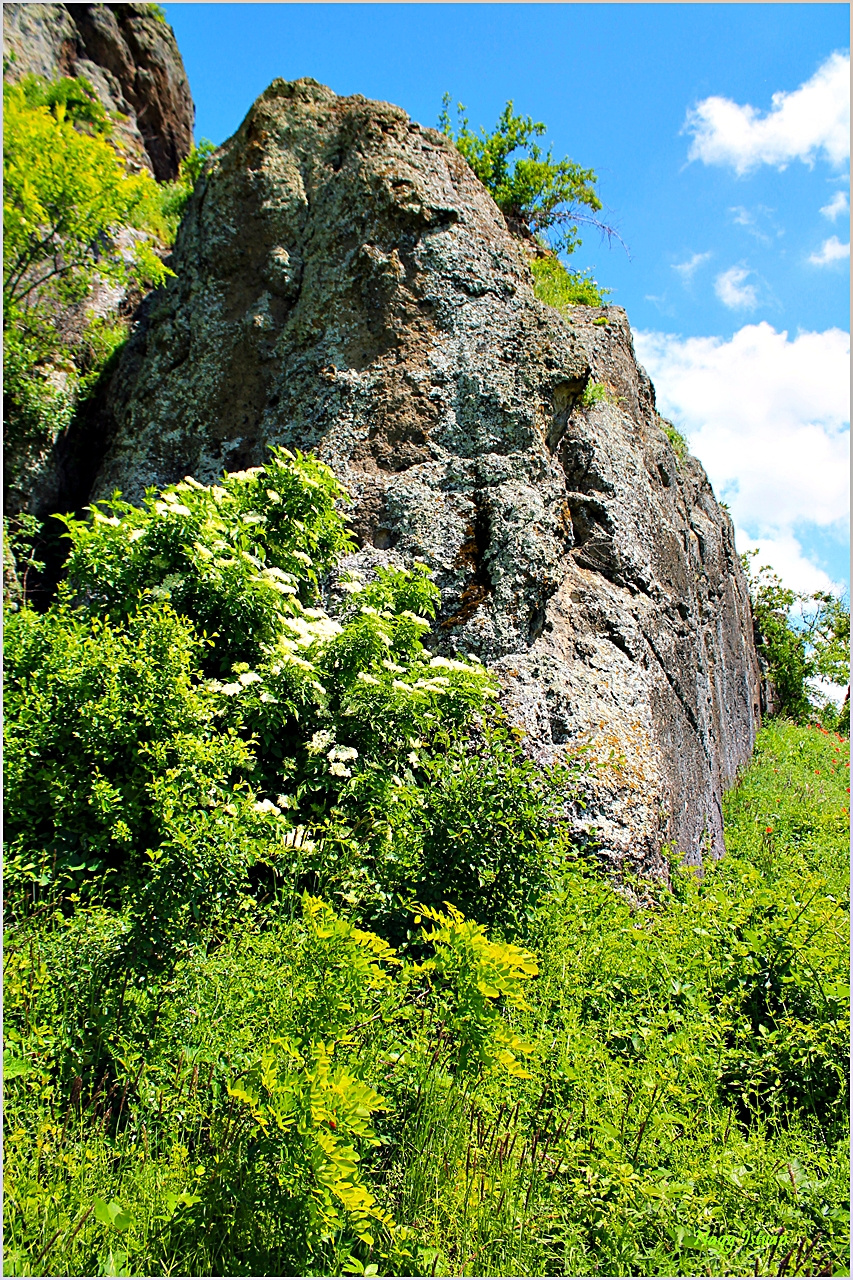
column 345, row 284
column 128, row 53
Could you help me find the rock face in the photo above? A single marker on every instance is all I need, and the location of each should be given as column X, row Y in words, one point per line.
column 130, row 56
column 346, row 285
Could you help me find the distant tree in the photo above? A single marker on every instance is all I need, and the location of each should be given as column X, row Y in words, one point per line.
column 801, row 638
column 537, row 194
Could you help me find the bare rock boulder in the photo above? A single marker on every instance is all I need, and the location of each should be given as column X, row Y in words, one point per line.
column 346, row 285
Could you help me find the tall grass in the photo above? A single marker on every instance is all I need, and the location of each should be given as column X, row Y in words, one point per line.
column 681, row 1108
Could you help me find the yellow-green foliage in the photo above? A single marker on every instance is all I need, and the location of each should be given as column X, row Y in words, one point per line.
column 67, row 196
column 480, row 972
column 559, row 287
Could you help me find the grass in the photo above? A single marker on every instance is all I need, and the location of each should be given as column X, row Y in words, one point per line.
column 674, row 436
column 681, row 1107
column 561, row 288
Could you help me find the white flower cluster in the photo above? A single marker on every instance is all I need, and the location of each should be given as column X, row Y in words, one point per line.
column 337, row 757
column 267, row 806
column 435, row 685
column 311, row 625
column 237, row 686
column 171, row 505
column 277, row 578
column 320, row 740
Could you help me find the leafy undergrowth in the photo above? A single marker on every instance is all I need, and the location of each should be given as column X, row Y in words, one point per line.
column 245, row 1033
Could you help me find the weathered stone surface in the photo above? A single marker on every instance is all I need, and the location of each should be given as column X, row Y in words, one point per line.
column 130, row 57
column 345, row 284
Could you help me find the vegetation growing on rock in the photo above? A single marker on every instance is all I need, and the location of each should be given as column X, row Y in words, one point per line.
column 67, row 198
column 536, row 193
column 541, row 198
column 559, row 287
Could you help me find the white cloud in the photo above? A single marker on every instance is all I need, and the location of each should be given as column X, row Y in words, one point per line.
column 749, row 219
column 812, row 120
column 733, row 293
column 785, row 556
column 688, row 269
column 832, row 250
column 838, row 206
column 768, row 416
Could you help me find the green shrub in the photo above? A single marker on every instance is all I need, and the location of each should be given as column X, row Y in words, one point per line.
column 559, row 287
column 188, row 693
column 237, row 559
column 536, row 193
column 67, row 195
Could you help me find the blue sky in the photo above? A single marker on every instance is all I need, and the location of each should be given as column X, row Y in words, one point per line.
column 719, row 136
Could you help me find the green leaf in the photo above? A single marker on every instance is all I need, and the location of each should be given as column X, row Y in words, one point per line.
column 112, row 1214
column 13, row 1067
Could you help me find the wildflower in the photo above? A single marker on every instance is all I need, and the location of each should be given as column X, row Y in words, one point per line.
column 230, row 689
column 266, row 806
column 249, row 677
column 320, row 740
column 339, row 770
